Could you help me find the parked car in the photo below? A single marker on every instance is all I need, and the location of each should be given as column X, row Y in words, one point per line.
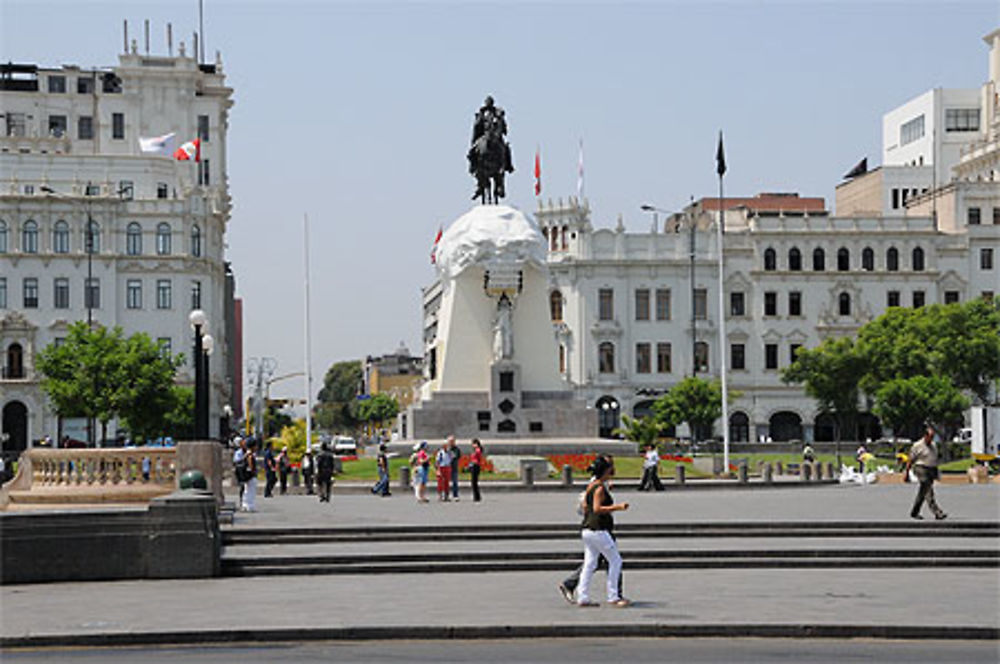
column 344, row 446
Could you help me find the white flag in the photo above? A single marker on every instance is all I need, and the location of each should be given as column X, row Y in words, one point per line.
column 158, row 145
column 579, row 176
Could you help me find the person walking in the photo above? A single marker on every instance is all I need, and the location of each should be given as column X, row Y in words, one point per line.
column 270, row 470
column 249, row 496
column 456, row 454
column 240, row 466
column 598, row 525
column 442, row 466
column 324, row 472
column 420, row 460
column 308, row 465
column 650, row 470
column 923, row 460
column 284, row 465
column 476, row 462
column 381, row 487
column 859, row 456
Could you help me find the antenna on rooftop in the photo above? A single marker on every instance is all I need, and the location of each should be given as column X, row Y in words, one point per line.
column 147, row 36
column 170, row 40
column 200, row 54
column 125, row 45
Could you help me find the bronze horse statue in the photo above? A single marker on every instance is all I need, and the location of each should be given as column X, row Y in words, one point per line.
column 489, row 157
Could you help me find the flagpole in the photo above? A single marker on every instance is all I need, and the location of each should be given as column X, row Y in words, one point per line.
column 722, row 318
column 308, row 372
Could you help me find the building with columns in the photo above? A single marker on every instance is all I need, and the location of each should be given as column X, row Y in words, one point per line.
column 69, row 153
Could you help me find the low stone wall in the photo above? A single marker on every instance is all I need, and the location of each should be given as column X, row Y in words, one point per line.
column 532, row 446
column 176, row 536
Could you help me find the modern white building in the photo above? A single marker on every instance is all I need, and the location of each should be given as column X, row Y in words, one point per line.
column 70, row 153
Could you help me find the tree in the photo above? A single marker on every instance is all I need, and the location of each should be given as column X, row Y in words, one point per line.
column 643, row 430
column 293, row 437
column 335, row 410
column 378, row 409
column 179, row 421
column 905, row 403
column 144, row 381
column 693, row 400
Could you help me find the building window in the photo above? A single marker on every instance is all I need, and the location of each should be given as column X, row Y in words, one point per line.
column 60, row 237
column 951, row 296
column 844, row 302
column 700, row 303
column 203, row 128
column 118, row 126
column 892, row 298
column 606, row 304
column 92, row 237
column 29, row 237
column 738, row 356
column 911, row 130
column 57, row 126
column 793, row 350
column 795, row 303
column 133, row 239
column 643, row 360
column 843, row 260
column 17, row 124
column 918, row 299
column 556, row 306
column 30, row 293
column 203, row 172
column 3, row 236
column 662, row 304
column 973, row 216
column 737, row 304
column 3, row 292
column 892, row 259
column 15, row 361
column 819, row 260
column 918, row 259
column 163, row 295
column 84, row 86
column 986, row 259
column 996, row 216
column 195, row 295
column 92, row 293
column 85, row 128
column 133, row 294
column 642, row 304
column 663, row 357
column 770, row 356
column 701, row 356
column 163, row 239
column 895, row 199
column 60, row 293
column 196, row 241
column 867, row 259
column 795, row 259
column 606, row 357
column 987, row 295
column 57, row 84
column 126, row 190
column 162, row 191
column 770, row 260
column 957, row 119
column 770, row 303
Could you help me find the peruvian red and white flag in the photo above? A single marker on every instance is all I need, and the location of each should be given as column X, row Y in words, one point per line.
column 538, row 171
column 190, row 151
column 437, row 239
column 157, row 145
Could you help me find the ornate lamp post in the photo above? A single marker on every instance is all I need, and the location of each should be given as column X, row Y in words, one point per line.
column 199, row 322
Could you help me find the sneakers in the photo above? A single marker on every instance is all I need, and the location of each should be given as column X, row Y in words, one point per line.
column 917, row 517
column 940, row 517
column 566, row 593
column 620, row 603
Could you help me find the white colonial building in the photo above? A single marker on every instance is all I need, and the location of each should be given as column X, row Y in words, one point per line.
column 70, row 152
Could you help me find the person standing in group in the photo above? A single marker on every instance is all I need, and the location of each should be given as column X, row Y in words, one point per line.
column 456, row 454
column 650, row 470
column 284, row 465
column 598, row 525
column 442, row 465
column 249, row 502
column 476, row 462
column 270, row 470
column 923, row 459
column 420, row 460
column 324, row 472
column 307, row 471
column 240, row 466
column 381, row 487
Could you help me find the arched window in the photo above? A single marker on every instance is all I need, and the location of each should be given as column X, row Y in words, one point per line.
column 163, row 239
column 60, row 237
column 15, row 361
column 845, row 304
column 565, row 242
column 195, row 241
column 556, row 306
column 29, row 237
column 554, row 239
column 3, row 236
column 133, row 239
column 92, row 237
column 794, row 259
column 868, row 259
column 819, row 260
column 843, row 259
column 606, row 357
column 918, row 259
column 892, row 259
column 739, row 427
column 770, row 260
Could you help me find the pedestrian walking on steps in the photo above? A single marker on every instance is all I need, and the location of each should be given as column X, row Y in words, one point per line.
column 598, row 525
column 923, row 460
column 249, row 503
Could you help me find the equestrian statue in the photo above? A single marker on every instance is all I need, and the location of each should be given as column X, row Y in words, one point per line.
column 489, row 156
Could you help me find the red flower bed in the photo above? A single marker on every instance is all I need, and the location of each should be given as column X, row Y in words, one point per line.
column 463, row 465
column 678, row 458
column 578, row 462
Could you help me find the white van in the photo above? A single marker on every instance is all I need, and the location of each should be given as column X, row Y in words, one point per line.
column 344, row 445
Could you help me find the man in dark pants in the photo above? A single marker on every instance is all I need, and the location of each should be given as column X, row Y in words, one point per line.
column 324, row 472
column 270, row 470
column 456, row 454
column 923, row 460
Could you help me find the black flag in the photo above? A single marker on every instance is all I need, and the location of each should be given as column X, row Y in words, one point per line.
column 860, row 169
column 720, row 158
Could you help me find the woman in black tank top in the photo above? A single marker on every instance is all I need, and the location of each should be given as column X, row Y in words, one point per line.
column 596, row 534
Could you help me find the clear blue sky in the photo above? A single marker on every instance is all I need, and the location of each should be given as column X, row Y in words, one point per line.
column 359, row 114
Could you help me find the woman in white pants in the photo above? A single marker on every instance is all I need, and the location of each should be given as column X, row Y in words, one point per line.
column 250, row 490
column 597, row 541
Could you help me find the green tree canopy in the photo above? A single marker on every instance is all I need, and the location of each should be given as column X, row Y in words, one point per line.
column 905, row 403
column 377, row 409
column 693, row 400
column 832, row 373
column 643, row 430
column 336, row 410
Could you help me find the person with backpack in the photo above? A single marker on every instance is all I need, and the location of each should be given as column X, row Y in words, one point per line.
column 324, row 472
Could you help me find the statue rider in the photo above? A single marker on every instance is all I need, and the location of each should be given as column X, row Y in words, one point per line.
column 490, row 122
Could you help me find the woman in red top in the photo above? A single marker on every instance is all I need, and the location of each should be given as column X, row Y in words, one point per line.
column 475, row 465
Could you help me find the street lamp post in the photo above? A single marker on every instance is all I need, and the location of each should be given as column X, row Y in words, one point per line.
column 199, row 322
